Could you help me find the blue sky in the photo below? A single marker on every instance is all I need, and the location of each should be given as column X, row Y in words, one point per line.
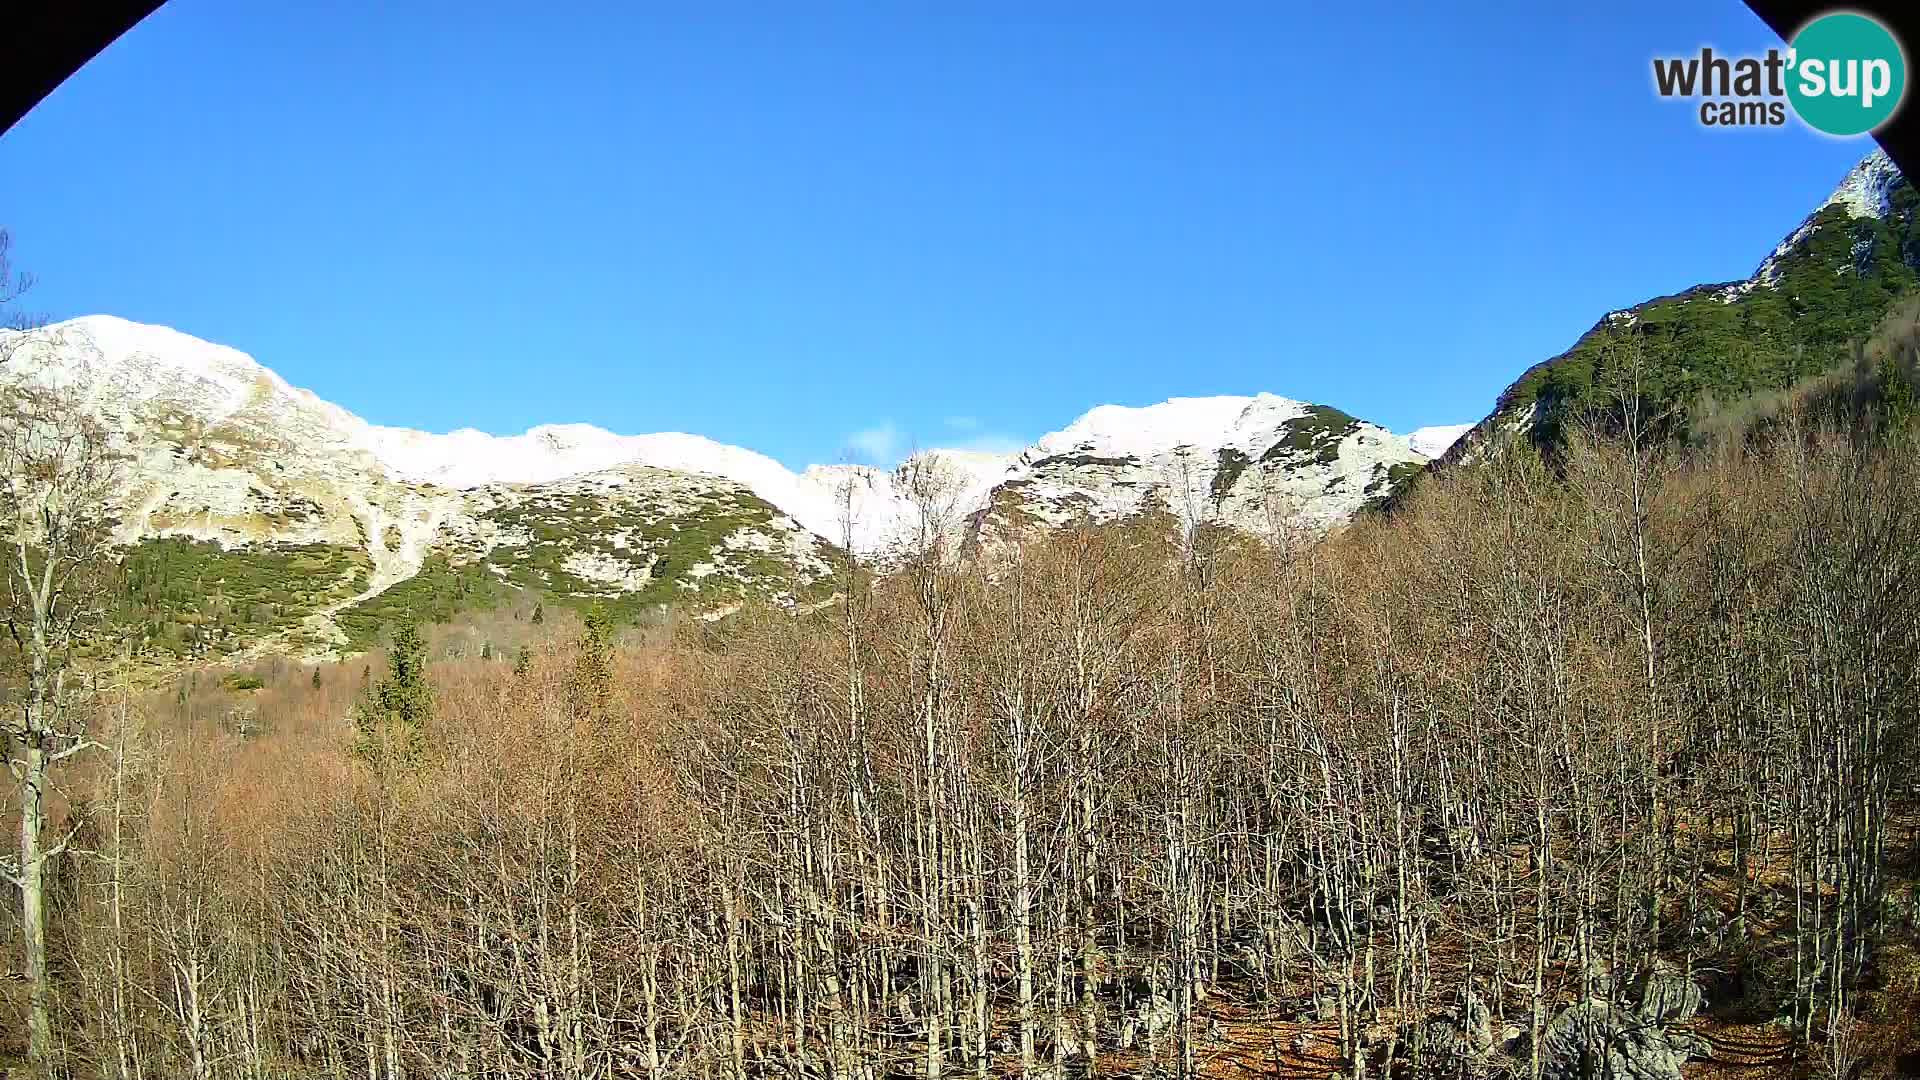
column 811, row 228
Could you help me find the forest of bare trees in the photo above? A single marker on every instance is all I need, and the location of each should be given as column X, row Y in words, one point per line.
column 1614, row 735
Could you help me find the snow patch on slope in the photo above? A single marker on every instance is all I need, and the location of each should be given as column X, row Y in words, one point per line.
column 1434, row 441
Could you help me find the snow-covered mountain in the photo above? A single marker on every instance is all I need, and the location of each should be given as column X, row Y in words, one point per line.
column 226, row 452
column 1260, row 463
column 1117, row 462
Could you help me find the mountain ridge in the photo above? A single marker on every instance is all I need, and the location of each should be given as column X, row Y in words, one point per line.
column 226, row 452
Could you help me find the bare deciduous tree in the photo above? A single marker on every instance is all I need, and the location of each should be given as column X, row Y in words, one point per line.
column 58, row 475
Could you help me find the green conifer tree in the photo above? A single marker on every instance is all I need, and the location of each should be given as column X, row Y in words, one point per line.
column 592, row 686
column 397, row 711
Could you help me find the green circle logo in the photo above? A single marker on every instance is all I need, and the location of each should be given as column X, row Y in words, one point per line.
column 1847, row 74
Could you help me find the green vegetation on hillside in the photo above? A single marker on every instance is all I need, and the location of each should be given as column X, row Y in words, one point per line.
column 189, row 597
column 1391, row 480
column 663, row 546
column 1832, row 290
column 1315, row 436
column 1081, row 461
column 434, row 595
column 1231, row 463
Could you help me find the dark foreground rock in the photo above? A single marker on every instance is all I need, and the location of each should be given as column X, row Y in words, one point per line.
column 1596, row 1041
column 1667, row 997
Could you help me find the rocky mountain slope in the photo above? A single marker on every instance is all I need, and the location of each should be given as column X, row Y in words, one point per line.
column 282, row 517
column 1821, row 289
column 254, row 509
column 1112, row 463
column 1260, row 464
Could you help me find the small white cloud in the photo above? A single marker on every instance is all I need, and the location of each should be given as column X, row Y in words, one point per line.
column 993, row 442
column 885, row 444
column 878, row 445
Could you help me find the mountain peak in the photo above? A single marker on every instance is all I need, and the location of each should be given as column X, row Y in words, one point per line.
column 112, row 342
column 1146, row 430
column 1867, row 190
